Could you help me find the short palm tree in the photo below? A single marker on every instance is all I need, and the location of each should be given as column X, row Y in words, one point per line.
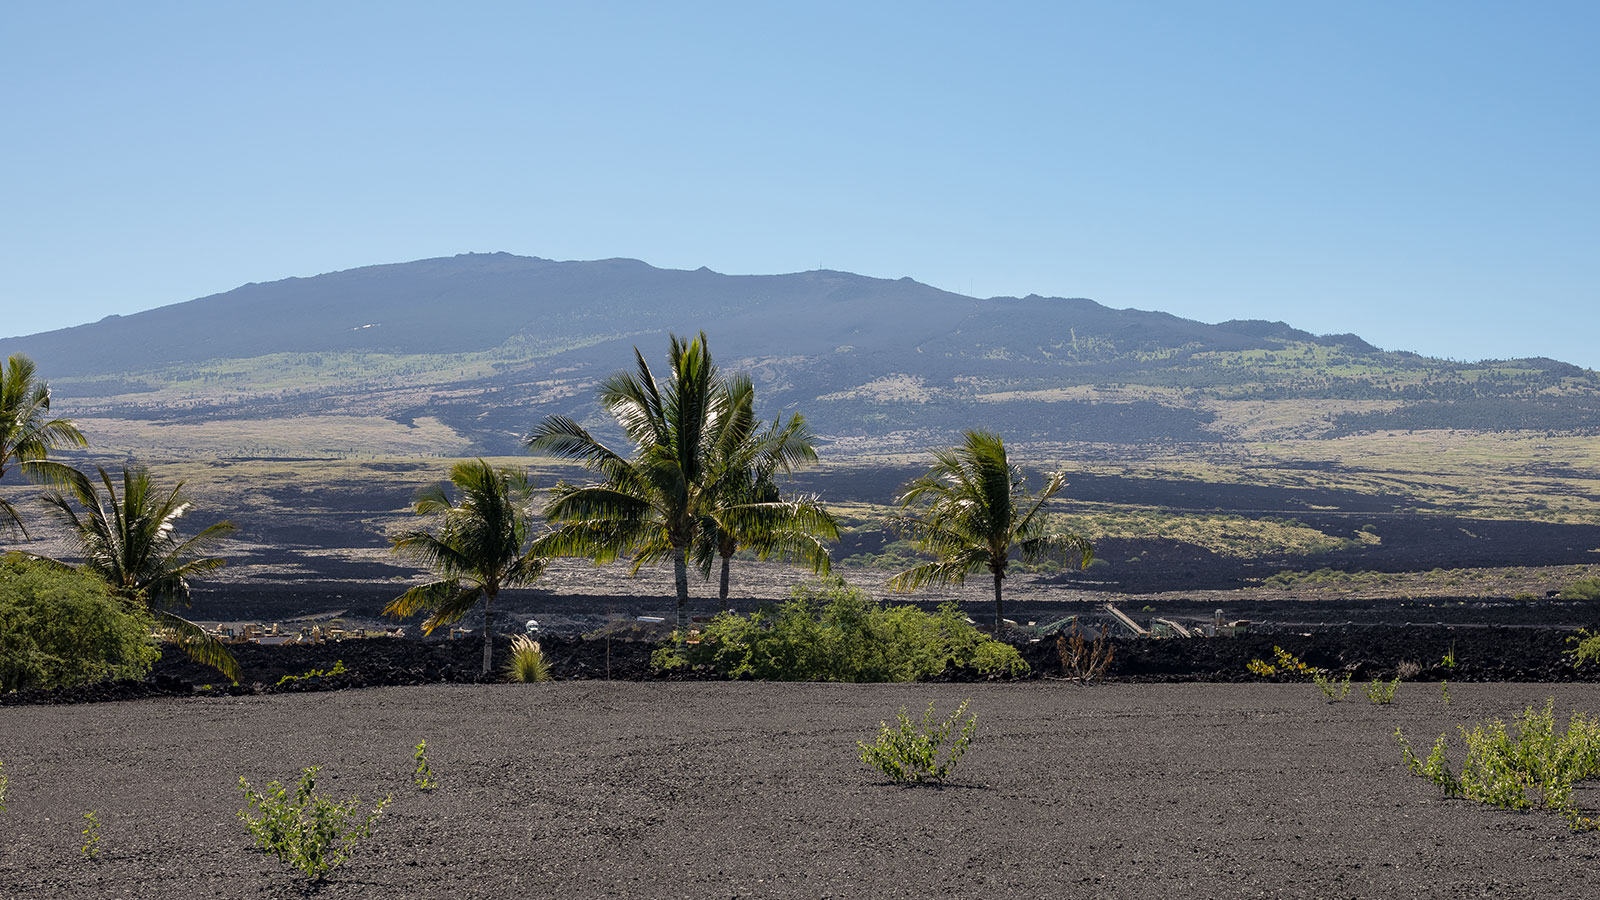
column 655, row 504
column 751, row 511
column 131, row 541
column 28, row 434
column 971, row 510
column 481, row 546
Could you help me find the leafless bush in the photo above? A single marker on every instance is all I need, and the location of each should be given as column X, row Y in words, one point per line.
column 1084, row 661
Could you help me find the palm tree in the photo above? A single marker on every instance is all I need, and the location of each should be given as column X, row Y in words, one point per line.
column 481, row 547
column 751, row 511
column 27, row 434
column 971, row 510
column 657, row 503
column 131, row 541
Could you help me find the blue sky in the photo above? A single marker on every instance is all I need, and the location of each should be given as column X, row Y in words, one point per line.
column 1422, row 174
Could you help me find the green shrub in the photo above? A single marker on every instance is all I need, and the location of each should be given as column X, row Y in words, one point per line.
column 3, row 784
column 1586, row 647
column 909, row 752
column 830, row 631
column 1335, row 689
column 91, row 836
column 1535, row 769
column 338, row 669
column 527, row 664
column 1382, row 692
column 59, row 627
column 422, row 775
column 1583, row 589
column 308, row 832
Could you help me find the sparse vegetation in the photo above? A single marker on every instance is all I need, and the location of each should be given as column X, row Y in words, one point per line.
column 1335, row 689
column 422, row 773
column 309, row 832
column 831, row 631
column 1583, row 589
column 1084, row 661
column 1536, row 768
column 1586, row 647
column 909, row 752
column 1380, row 692
column 528, row 664
column 337, row 669
column 90, row 848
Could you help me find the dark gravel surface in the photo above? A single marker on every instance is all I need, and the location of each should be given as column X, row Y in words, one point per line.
column 715, row 789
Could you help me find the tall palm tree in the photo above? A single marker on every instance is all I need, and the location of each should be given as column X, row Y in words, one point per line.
column 131, row 541
column 656, row 503
column 972, row 510
column 482, row 546
column 751, row 511
column 28, row 434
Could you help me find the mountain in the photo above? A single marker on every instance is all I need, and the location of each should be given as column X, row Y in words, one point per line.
column 465, row 353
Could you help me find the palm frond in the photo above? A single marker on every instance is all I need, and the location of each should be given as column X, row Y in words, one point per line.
column 953, row 570
column 197, row 644
column 422, row 597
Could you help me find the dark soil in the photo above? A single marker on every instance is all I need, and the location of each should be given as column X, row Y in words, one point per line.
column 588, row 790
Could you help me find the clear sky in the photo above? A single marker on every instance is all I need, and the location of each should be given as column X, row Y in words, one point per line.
column 1425, row 174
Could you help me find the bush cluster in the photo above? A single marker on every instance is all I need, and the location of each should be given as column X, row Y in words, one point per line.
column 907, row 752
column 307, row 831
column 830, row 631
column 59, row 627
column 1534, row 769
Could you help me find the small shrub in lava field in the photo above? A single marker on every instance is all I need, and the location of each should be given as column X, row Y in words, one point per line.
column 1444, row 691
column 1283, row 663
column 1586, row 647
column 527, row 664
column 909, row 752
column 1335, row 689
column 338, row 669
column 1084, row 661
column 1535, row 768
column 91, row 836
column 1583, row 589
column 2, row 789
column 1382, row 692
column 307, row 831
column 422, row 775
column 1407, row 670
column 831, row 631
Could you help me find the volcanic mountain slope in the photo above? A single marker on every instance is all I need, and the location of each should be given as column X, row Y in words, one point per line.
column 462, row 354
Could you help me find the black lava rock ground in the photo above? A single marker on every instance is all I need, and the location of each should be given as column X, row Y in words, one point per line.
column 693, row 790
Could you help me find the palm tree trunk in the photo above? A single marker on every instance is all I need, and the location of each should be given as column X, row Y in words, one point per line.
column 680, row 574
column 999, row 611
column 723, row 595
column 488, row 636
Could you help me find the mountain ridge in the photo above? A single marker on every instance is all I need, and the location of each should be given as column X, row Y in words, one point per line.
column 485, row 343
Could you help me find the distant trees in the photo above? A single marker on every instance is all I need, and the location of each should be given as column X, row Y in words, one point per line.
column 482, row 545
column 693, row 481
column 971, row 510
column 28, row 433
column 130, row 540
